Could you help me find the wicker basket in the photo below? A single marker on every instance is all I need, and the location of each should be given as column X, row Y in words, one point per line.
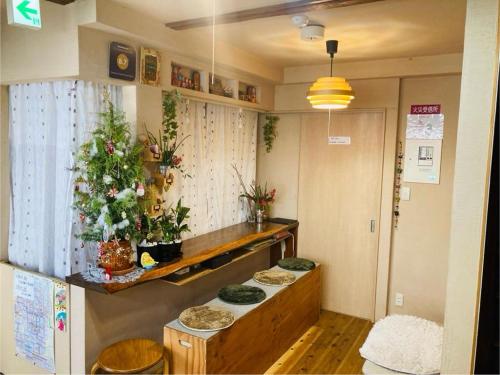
column 117, row 256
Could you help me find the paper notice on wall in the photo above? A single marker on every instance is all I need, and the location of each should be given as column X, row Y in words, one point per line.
column 422, row 160
column 34, row 319
column 425, row 126
column 333, row 140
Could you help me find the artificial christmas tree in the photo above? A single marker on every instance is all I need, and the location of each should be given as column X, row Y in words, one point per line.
column 108, row 185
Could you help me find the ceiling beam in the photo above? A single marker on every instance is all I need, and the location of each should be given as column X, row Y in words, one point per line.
column 62, row 2
column 294, row 7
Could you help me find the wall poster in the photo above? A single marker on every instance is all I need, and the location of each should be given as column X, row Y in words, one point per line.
column 424, row 138
column 422, row 161
column 34, row 319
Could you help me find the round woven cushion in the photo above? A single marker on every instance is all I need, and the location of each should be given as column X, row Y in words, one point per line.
column 296, row 264
column 238, row 294
column 206, row 318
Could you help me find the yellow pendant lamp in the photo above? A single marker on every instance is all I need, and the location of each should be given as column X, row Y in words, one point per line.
column 330, row 92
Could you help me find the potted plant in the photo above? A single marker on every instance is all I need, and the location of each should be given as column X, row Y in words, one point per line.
column 172, row 224
column 167, row 143
column 149, row 232
column 109, row 180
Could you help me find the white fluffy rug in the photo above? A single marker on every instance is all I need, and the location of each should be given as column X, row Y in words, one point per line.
column 405, row 343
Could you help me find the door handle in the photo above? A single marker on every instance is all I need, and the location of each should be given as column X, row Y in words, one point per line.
column 372, row 226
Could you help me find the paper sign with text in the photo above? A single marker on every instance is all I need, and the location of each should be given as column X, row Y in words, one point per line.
column 425, row 109
column 339, row 140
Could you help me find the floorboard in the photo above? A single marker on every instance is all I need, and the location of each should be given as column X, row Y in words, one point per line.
column 329, row 347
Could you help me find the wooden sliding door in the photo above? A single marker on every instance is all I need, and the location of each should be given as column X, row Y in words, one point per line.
column 339, row 206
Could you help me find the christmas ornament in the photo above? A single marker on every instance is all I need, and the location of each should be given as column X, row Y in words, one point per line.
column 155, row 149
column 113, row 192
column 140, row 190
column 107, row 273
column 110, row 148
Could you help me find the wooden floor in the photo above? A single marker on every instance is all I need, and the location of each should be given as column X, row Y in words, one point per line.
column 329, row 347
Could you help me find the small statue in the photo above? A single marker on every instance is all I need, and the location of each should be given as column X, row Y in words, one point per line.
column 147, row 261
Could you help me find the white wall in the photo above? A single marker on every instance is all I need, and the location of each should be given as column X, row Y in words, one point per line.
column 470, row 186
column 407, row 260
column 419, row 254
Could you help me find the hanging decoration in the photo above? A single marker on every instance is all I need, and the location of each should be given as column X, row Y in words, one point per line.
column 270, row 131
column 330, row 92
column 213, row 41
column 397, row 184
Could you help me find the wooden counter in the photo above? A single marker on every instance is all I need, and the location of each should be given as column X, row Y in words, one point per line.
column 259, row 336
column 201, row 248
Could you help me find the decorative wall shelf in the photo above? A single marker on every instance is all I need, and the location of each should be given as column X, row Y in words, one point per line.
column 209, row 93
column 186, row 77
column 222, row 86
column 211, row 98
column 248, row 92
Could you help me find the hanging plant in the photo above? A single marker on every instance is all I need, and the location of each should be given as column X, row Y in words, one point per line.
column 270, row 131
column 167, row 141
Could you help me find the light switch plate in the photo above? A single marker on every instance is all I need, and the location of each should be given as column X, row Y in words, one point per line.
column 404, row 193
column 399, row 300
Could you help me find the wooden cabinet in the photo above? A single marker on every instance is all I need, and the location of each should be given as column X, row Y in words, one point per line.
column 256, row 340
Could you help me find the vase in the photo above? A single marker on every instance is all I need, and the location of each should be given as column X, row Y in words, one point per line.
column 167, row 252
column 163, row 169
column 259, row 215
column 117, row 256
column 251, row 211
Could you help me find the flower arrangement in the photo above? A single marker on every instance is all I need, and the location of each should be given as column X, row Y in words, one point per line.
column 167, row 142
column 259, row 198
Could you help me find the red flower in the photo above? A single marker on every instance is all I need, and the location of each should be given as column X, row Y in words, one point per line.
column 176, row 160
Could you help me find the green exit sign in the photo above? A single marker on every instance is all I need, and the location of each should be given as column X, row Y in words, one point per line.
column 24, row 13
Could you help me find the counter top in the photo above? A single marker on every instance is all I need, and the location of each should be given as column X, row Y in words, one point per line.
column 238, row 310
column 195, row 251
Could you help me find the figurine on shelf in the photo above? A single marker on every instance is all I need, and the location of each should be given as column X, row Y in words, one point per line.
column 147, row 261
column 252, row 94
column 196, row 81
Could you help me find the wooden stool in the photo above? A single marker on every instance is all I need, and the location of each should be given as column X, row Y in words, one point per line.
column 131, row 357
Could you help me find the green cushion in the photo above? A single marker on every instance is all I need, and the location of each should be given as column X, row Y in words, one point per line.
column 296, row 264
column 241, row 294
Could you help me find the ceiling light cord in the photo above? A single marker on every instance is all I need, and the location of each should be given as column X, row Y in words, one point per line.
column 213, row 41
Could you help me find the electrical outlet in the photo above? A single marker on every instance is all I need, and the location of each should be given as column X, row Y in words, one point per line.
column 400, row 299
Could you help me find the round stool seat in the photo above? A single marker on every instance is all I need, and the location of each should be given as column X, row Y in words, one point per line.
column 130, row 356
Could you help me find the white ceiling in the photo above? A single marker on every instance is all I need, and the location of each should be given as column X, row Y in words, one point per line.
column 386, row 29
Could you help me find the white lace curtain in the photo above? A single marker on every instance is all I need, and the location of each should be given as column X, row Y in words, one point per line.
column 48, row 123
column 220, row 136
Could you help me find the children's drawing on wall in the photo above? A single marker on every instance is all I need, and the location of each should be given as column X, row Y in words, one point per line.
column 34, row 319
column 60, row 306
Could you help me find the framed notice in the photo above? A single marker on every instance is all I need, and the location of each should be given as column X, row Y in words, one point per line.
column 150, row 66
column 122, row 61
column 422, row 161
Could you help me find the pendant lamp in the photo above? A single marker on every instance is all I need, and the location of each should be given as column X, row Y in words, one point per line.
column 330, row 92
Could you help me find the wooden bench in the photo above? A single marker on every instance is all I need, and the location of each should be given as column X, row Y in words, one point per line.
column 259, row 336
